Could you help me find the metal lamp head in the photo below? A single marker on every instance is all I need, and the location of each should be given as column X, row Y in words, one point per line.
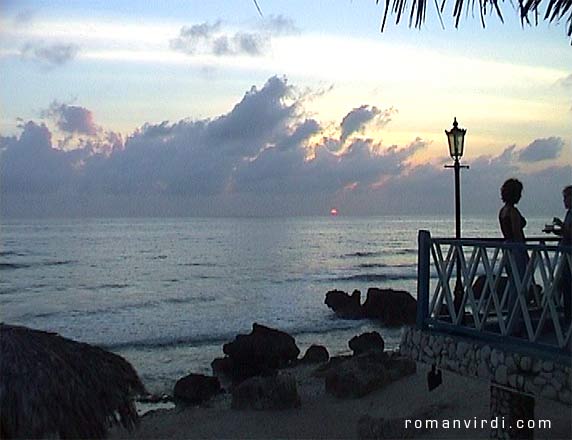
column 456, row 138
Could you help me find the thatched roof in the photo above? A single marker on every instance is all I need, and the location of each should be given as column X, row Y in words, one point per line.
column 51, row 386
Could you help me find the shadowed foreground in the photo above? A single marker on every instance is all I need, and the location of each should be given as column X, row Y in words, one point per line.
column 51, row 386
column 326, row 417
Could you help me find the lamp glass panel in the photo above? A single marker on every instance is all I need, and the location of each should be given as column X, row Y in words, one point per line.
column 451, row 139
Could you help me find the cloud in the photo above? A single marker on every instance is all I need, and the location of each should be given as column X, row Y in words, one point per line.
column 72, row 119
column 356, row 120
column 31, row 164
column 279, row 25
column 542, row 149
column 565, row 82
column 54, row 55
column 206, row 38
column 265, row 156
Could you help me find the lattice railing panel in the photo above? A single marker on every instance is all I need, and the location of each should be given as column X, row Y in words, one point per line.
column 505, row 289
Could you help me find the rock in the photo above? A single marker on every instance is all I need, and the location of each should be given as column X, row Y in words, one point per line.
column 501, row 375
column 462, row 348
column 359, row 375
column 483, row 371
column 266, row 393
column 345, row 305
column 392, row 307
column 366, row 342
column 316, row 354
column 259, row 353
column 352, row 379
column 485, row 353
column 525, row 363
column 548, row 366
column 196, row 388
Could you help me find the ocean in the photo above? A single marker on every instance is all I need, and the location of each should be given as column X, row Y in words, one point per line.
column 168, row 293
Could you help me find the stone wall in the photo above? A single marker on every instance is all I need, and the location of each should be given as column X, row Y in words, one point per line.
column 523, row 373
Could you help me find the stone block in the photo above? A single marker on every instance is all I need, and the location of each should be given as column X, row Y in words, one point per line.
column 501, row 375
column 548, row 366
column 525, row 363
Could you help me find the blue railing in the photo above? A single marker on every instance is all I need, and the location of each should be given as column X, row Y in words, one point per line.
column 498, row 292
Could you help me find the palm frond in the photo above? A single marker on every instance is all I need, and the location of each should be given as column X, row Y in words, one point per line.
column 552, row 11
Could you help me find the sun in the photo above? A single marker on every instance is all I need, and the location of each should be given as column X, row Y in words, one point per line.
column 334, row 212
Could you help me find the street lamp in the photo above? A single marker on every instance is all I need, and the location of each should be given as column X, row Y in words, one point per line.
column 456, row 139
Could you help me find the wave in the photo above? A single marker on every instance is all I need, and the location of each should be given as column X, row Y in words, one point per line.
column 109, row 286
column 385, row 265
column 198, row 264
column 116, row 309
column 12, row 266
column 11, row 253
column 330, row 325
column 362, row 254
column 371, row 277
column 386, row 251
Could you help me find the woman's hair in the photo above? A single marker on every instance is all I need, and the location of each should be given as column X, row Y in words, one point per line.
column 511, row 191
column 567, row 190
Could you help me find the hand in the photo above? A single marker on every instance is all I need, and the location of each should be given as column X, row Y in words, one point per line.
column 557, row 221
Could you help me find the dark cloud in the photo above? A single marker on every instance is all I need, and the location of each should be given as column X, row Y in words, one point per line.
column 72, row 119
column 208, row 38
column 542, row 149
column 356, row 120
column 53, row 55
column 263, row 157
column 30, row 164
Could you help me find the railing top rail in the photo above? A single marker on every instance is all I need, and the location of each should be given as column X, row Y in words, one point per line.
column 537, row 243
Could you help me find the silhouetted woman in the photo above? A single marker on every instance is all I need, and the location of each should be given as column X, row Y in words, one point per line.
column 512, row 225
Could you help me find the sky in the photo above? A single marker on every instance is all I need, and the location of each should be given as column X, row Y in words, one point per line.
column 187, row 107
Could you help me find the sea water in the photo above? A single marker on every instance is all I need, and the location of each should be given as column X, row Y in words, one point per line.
column 168, row 293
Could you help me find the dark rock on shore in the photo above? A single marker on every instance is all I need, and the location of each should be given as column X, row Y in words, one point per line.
column 345, row 305
column 366, row 342
column 196, row 388
column 261, row 352
column 316, row 354
column 360, row 375
column 391, row 307
column 266, row 393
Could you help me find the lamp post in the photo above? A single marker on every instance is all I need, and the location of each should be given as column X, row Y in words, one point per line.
column 456, row 139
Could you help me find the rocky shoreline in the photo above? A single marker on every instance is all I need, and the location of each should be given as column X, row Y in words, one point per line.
column 254, row 368
column 265, row 387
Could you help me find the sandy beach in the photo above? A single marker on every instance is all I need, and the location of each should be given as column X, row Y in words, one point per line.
column 327, row 417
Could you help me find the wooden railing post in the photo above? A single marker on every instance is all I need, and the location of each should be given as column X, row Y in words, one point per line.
column 423, row 264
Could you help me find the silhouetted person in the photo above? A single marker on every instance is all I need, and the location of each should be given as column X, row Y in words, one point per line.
column 512, row 225
column 565, row 232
